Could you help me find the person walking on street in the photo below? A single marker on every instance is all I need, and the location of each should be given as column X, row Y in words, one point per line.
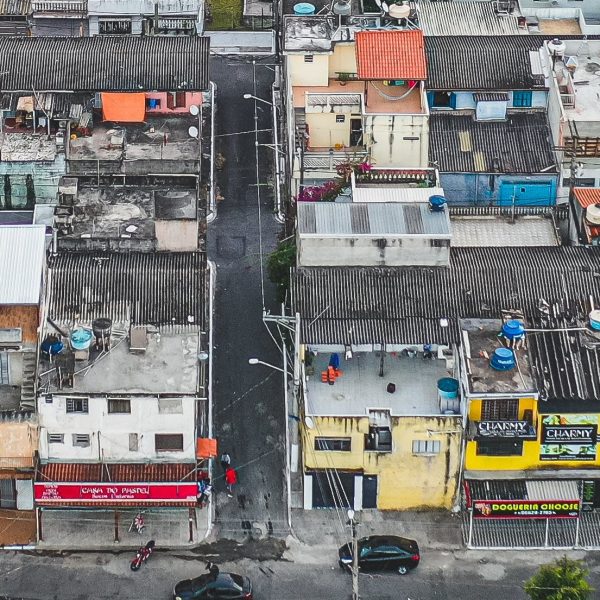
column 230, row 480
column 225, row 461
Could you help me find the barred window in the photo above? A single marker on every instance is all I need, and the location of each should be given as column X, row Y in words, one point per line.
column 77, row 405
column 426, row 447
column 500, row 410
column 119, row 406
column 335, row 444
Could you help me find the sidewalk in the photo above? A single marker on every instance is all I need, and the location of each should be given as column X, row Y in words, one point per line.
column 434, row 530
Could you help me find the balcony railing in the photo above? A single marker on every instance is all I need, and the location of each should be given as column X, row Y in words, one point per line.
column 328, row 161
column 50, row 6
column 568, row 100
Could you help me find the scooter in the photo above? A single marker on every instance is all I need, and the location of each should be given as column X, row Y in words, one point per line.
column 142, row 555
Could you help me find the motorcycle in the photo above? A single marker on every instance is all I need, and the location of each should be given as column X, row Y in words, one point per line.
column 142, row 555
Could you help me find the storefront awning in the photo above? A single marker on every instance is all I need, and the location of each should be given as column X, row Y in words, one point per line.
column 124, row 108
column 552, row 490
column 206, row 448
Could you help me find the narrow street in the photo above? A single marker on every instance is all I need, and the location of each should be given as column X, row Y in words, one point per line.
column 248, row 399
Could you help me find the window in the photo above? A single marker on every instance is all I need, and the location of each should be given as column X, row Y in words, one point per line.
column 426, row 447
column 114, row 27
column 500, row 410
column 334, row 444
column 442, row 99
column 168, row 442
column 56, row 438
column 153, row 103
column 119, row 406
column 77, row 405
column 133, row 442
column 340, row 118
column 439, row 243
column 585, row 182
column 308, row 58
column 170, row 406
column 81, row 440
column 379, row 439
column 500, row 448
column 522, row 99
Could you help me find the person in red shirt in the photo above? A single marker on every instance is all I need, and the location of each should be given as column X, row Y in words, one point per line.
column 230, row 480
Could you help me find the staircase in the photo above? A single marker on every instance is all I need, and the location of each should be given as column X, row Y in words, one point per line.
column 28, row 385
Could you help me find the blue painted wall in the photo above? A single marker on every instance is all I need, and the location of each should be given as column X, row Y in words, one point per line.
column 466, row 101
column 498, row 190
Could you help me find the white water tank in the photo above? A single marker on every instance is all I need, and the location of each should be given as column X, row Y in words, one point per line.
column 399, row 11
column 592, row 214
column 557, row 48
column 342, row 8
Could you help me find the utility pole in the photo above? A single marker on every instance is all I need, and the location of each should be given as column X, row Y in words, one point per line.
column 353, row 525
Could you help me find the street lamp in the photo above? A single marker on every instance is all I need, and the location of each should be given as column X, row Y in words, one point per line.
column 256, row 361
column 278, row 207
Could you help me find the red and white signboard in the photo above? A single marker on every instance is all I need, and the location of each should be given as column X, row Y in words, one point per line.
column 57, row 493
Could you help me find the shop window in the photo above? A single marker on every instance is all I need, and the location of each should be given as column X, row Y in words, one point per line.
column 119, row 406
column 168, row 442
column 500, row 448
column 81, row 440
column 500, row 410
column 170, row 406
column 522, row 99
column 133, row 442
column 426, row 447
column 333, row 444
column 56, row 438
column 77, row 405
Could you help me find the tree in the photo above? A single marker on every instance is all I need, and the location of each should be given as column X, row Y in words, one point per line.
column 563, row 579
column 278, row 266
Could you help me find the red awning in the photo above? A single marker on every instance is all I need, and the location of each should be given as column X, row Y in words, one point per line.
column 124, row 107
column 587, row 196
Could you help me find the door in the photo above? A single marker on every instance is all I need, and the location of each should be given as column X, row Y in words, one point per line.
column 356, row 132
column 332, row 489
column 4, row 368
column 8, row 493
column 526, row 193
column 369, row 491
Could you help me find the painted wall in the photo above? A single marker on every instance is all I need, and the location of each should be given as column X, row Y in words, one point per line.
column 481, row 188
column 530, row 459
column 326, row 132
column 343, row 60
column 25, row 317
column 365, row 251
column 191, row 98
column 405, row 481
column 109, row 433
column 308, row 73
column 18, row 439
column 466, row 101
column 398, row 140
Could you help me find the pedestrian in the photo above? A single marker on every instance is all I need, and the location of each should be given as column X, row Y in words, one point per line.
column 230, row 479
column 225, row 461
column 204, row 489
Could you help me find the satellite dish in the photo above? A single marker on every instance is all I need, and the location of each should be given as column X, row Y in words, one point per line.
column 194, row 110
column 385, row 7
column 310, row 424
column 193, row 132
column 378, row 2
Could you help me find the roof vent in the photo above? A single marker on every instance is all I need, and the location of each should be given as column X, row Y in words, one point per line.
column 595, row 320
column 503, row 359
column 437, row 203
column 557, row 48
column 304, row 9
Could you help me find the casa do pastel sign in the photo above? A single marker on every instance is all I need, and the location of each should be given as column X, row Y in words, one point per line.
column 71, row 493
column 505, row 429
column 526, row 509
column 569, row 438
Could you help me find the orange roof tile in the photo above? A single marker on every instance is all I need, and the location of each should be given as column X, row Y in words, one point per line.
column 395, row 54
column 116, row 472
column 587, row 196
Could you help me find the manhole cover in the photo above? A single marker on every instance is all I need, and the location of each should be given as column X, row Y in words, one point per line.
column 231, row 246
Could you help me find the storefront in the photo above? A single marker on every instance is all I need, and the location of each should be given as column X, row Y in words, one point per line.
column 101, row 500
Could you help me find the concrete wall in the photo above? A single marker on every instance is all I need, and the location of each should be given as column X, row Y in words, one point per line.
column 366, row 251
column 308, row 73
column 18, row 439
column 405, row 480
column 326, row 132
column 109, row 433
column 343, row 60
column 25, row 317
column 176, row 236
column 398, row 140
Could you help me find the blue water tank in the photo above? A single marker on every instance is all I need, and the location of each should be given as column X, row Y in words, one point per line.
column 304, row 9
column 81, row 339
column 503, row 359
column 447, row 388
column 437, row 203
column 595, row 320
column 513, row 329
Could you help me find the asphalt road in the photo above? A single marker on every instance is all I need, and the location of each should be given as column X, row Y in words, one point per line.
column 312, row 575
column 248, row 400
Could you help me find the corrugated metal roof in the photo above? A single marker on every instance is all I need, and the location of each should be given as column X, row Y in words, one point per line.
column 482, row 63
column 104, row 63
column 491, row 97
column 587, row 196
column 521, row 144
column 390, row 54
column 352, row 219
column 164, row 288
column 116, row 473
column 19, row 8
column 383, row 193
column 464, row 18
column 552, row 490
column 22, row 259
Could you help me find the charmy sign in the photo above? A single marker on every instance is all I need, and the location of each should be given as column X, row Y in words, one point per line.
column 569, row 437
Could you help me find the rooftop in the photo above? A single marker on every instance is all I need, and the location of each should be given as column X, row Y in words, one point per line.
column 521, row 144
column 104, row 63
column 394, row 193
column 483, row 62
column 27, row 147
column 464, row 18
column 390, row 54
column 22, row 260
column 322, row 219
column 480, row 339
column 503, row 232
column 361, row 387
column 309, row 34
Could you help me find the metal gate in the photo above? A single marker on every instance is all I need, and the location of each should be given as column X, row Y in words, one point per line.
column 8, row 493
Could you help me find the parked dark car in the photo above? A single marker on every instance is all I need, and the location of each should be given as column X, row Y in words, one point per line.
column 208, row 587
column 382, row 553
